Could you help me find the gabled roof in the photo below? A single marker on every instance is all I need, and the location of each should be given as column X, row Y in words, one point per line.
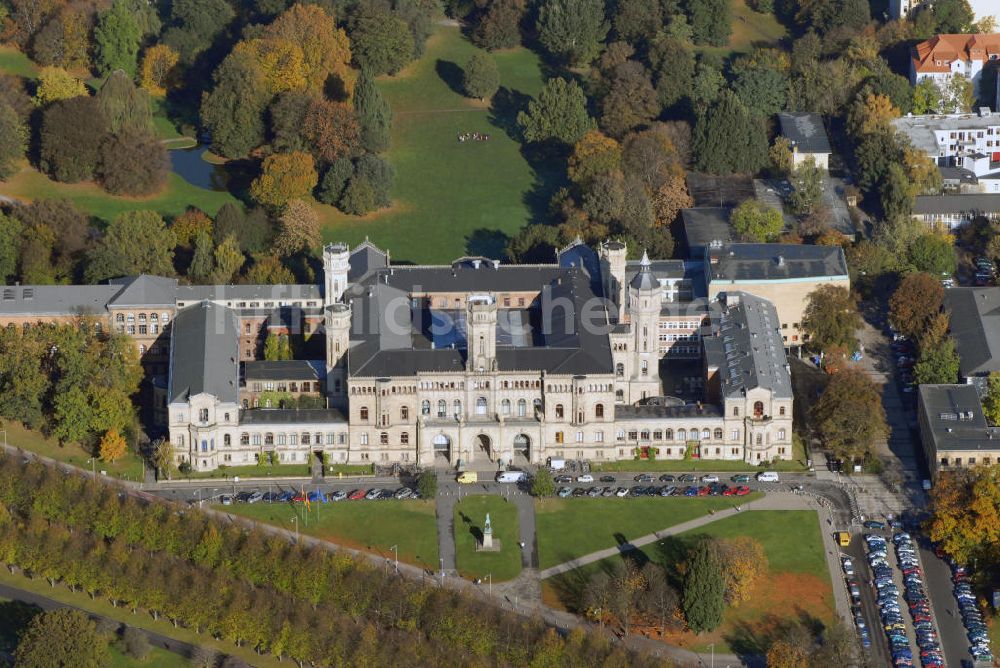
column 954, row 415
column 974, row 323
column 364, row 258
column 144, row 290
column 56, row 300
column 205, row 353
column 968, row 204
column 945, row 48
column 806, row 132
column 300, row 370
column 748, row 349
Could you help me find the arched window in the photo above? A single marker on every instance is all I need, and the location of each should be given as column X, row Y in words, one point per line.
column 505, row 406
column 481, row 406
column 705, row 434
column 718, row 434
column 668, row 435
column 758, row 409
column 364, row 413
column 442, row 408
column 559, row 411
column 522, row 407
column 599, row 411
column 425, row 407
column 620, row 370
column 781, row 434
column 682, row 434
column 404, row 413
column 456, row 407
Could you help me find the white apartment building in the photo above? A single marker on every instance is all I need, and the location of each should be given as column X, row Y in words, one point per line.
column 967, row 141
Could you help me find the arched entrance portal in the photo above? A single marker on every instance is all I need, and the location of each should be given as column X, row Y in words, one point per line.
column 481, row 448
column 522, row 449
column 442, row 450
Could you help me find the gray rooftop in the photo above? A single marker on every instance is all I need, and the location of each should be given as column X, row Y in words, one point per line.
column 970, row 204
column 644, row 279
column 748, row 349
column 364, row 258
column 974, row 315
column 805, row 130
column 205, row 353
column 955, row 418
column 770, row 262
column 959, row 174
column 674, row 410
column 300, row 370
column 706, row 225
column 144, row 290
column 51, row 300
column 292, row 416
column 192, row 293
column 920, row 129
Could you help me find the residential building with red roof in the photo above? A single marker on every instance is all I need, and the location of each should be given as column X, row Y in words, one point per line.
column 944, row 56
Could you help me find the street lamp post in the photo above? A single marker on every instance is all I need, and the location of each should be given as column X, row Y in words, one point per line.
column 442, row 570
column 296, row 520
column 93, row 467
column 395, row 552
column 712, row 647
column 490, row 576
column 198, row 492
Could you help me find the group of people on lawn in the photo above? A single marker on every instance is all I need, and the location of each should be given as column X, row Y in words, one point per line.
column 475, row 136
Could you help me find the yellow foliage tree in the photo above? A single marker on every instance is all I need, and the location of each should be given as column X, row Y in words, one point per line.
column 671, row 197
column 55, row 83
column 113, row 446
column 871, row 115
column 326, row 50
column 188, row 225
column 744, row 564
column 595, row 153
column 279, row 61
column 966, row 512
column 782, row 654
column 283, row 177
column 157, row 72
column 923, row 173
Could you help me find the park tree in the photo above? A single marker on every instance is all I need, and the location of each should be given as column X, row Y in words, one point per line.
column 158, row 70
column 381, row 41
column 744, row 564
column 533, row 244
column 807, row 187
column 124, row 105
column 875, row 154
column 284, row 176
column 934, row 254
column 729, row 139
column 481, row 78
column 594, row 154
column 499, row 26
column 952, row 16
column 188, row 225
column 11, row 230
column 279, row 63
column 64, row 41
column 637, row 21
column 228, row 260
column 849, row 416
column 831, row 318
column 755, row 221
column 299, row 229
column 113, row 446
column 116, row 39
column 761, row 88
column 630, row 100
column 542, row 484
column 133, row 162
column 202, row 266
column 359, row 196
column 379, row 173
column 916, row 300
column 659, row 599
column 572, row 30
column 62, row 637
column 558, row 114
column 704, row 589
column 673, row 64
column 13, row 140
column 54, row 84
column 937, row 364
column 427, row 485
column 374, row 114
column 71, row 136
column 871, row 114
column 252, row 230
column 965, row 514
column 14, row 93
column 334, row 181
column 287, row 118
column 268, row 270
column 782, row 654
column 330, row 130
column 669, row 197
column 233, row 110
column 895, row 193
column 194, row 25
column 326, row 51
column 711, row 21
column 135, row 242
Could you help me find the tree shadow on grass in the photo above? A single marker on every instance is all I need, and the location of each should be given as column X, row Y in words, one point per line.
column 451, row 74
column 504, row 108
column 477, row 533
column 14, row 618
column 755, row 638
column 487, row 243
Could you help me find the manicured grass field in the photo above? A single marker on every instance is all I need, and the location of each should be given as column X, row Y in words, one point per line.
column 797, row 587
column 571, row 528
column 252, row 471
column 750, row 29
column 453, row 198
column 470, row 515
column 374, row 526
column 128, row 467
column 13, row 61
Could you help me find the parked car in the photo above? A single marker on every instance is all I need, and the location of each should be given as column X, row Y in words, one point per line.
column 607, row 478
column 564, row 492
column 621, row 492
column 848, row 565
column 710, row 477
column 338, row 495
column 255, row 497
column 667, row 478
column 373, row 494
column 226, row 500
column 742, row 490
column 874, row 524
column 741, row 478
column 687, row 477
column 357, row 494
column 586, row 477
column 644, row 477
column 563, row 479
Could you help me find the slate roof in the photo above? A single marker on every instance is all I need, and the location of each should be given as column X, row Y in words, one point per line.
column 53, row 300
column 768, row 262
column 193, row 293
column 954, row 416
column 974, row 316
column 291, row 416
column 704, row 225
column 748, row 349
column 646, row 412
column 644, row 279
column 205, row 353
column 579, row 254
column 970, row 204
column 144, row 290
column 300, row 370
column 920, row 129
column 806, row 132
column 364, row 258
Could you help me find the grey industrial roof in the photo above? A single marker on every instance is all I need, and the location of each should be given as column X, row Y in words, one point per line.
column 390, row 334
column 144, row 290
column 705, row 225
column 191, row 293
column 205, row 353
column 958, row 174
column 970, row 204
column 805, row 130
column 975, row 327
column 748, row 349
column 760, row 262
column 291, row 416
column 920, row 129
column 46, row 300
column 308, row 370
column 955, row 417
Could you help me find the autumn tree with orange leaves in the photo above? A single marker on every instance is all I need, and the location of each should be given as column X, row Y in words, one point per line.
column 966, row 513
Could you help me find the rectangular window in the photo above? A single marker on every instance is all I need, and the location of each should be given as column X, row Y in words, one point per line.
column 599, row 437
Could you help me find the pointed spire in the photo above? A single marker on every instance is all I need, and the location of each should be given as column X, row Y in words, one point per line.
column 644, row 263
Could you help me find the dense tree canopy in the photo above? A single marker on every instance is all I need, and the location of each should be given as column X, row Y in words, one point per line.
column 831, row 318
column 572, row 30
column 729, row 139
column 480, row 77
column 116, row 40
column 71, row 137
column 559, row 113
column 62, row 637
column 915, row 301
column 755, row 221
column 136, row 242
column 849, row 416
column 381, row 41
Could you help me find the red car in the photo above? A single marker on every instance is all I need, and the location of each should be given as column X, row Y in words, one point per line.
column 705, row 490
column 742, row 490
column 299, row 498
column 357, row 494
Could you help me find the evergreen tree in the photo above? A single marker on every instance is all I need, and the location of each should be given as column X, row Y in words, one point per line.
column 374, row 114
column 572, row 30
column 481, row 78
column 559, row 113
column 729, row 139
column 704, row 589
column 202, row 264
column 334, row 182
column 711, row 21
column 234, row 110
column 116, row 40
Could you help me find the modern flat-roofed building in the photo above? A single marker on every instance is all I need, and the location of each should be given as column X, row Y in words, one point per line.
column 954, row 432
column 968, row 141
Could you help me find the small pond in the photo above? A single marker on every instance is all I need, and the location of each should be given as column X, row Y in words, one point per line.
column 191, row 165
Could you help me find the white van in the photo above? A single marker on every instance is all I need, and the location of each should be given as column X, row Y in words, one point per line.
column 767, row 476
column 512, row 476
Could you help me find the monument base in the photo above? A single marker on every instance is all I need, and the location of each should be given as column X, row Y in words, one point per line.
column 495, row 547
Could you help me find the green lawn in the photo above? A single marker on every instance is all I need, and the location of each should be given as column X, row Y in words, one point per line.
column 252, row 471
column 796, row 588
column 128, row 467
column 13, row 61
column 452, row 198
column 750, row 29
column 158, row 658
column 470, row 515
column 374, row 526
column 571, row 528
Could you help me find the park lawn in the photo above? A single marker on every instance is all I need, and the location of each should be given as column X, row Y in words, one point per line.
column 372, row 526
column 470, row 515
column 796, row 588
column 452, row 198
column 13, row 61
column 29, row 184
column 750, row 29
column 142, row 620
column 129, row 467
column 571, row 528
column 158, row 658
column 251, row 471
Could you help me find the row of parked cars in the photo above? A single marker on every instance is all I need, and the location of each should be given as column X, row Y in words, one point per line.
column 319, row 497
column 708, row 478
column 887, row 600
column 713, row 489
column 972, row 618
column 919, row 604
